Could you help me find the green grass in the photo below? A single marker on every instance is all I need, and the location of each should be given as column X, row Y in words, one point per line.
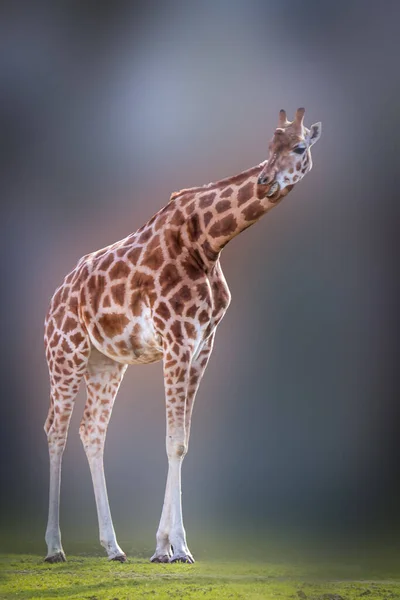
column 94, row 578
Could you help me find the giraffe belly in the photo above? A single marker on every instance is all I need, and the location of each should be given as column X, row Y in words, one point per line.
column 137, row 343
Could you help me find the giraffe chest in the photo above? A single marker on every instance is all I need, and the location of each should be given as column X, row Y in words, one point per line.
column 220, row 294
column 195, row 309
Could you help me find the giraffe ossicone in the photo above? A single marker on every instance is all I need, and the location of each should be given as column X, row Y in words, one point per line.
column 158, row 294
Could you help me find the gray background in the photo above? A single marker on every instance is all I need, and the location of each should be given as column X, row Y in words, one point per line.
column 106, row 108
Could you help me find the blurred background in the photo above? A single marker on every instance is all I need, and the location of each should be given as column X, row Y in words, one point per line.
column 108, row 107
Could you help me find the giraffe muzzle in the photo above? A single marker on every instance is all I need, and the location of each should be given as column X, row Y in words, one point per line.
column 275, row 187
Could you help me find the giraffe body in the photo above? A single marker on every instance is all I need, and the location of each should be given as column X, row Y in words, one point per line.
column 122, row 297
column 158, row 294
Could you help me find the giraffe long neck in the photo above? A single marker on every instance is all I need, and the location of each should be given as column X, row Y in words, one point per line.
column 220, row 211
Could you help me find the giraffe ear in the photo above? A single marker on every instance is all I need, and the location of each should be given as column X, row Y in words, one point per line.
column 314, row 133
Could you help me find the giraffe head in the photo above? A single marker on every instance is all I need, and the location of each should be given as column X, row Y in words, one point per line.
column 289, row 156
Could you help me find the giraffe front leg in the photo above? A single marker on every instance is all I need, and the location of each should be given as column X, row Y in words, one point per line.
column 171, row 533
column 182, row 379
column 197, row 369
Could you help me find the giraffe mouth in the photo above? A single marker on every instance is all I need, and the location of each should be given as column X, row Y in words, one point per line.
column 273, row 189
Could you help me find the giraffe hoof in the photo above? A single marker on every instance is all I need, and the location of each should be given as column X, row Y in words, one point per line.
column 56, row 558
column 120, row 558
column 163, row 558
column 183, row 558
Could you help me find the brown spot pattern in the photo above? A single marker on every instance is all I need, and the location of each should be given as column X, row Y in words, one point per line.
column 173, row 242
column 146, row 235
column 65, row 346
column 222, row 206
column 190, row 330
column 104, row 265
column 154, row 243
column 58, row 316
column 204, row 317
column 133, row 255
column 163, row 311
column 209, row 252
column 76, row 339
column 207, row 200
column 186, row 199
column 185, row 293
column 50, row 329
column 207, row 218
column 177, row 304
column 159, row 224
column 122, row 347
column 177, row 218
column 223, row 227
column 254, row 211
column 226, row 193
column 193, row 227
column 118, row 293
column 192, row 270
column 120, row 269
column 159, row 323
column 190, row 208
column 113, row 324
column 203, row 291
column 245, row 193
column 169, row 278
column 96, row 286
column 153, row 258
column 192, row 311
column 136, row 303
column 176, row 330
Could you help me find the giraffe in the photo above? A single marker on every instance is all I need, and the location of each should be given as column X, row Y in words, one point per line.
column 158, row 294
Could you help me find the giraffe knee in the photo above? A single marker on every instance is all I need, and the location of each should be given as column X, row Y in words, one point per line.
column 84, row 432
column 181, row 450
column 92, row 439
column 176, row 449
column 49, row 422
column 57, row 422
column 50, row 417
column 56, row 436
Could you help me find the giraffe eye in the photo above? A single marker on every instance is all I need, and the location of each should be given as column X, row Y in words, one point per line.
column 299, row 149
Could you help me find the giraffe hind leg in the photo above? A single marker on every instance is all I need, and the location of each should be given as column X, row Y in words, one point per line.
column 66, row 369
column 103, row 377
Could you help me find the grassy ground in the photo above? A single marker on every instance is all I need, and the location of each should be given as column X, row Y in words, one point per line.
column 90, row 578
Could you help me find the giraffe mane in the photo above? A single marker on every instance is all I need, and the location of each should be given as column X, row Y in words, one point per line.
column 192, row 190
column 235, row 179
